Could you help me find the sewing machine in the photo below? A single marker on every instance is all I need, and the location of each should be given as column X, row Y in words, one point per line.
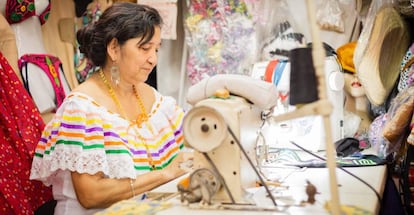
column 222, row 130
column 206, row 129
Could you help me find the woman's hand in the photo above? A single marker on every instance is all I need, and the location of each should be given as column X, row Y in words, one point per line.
column 181, row 164
column 98, row 191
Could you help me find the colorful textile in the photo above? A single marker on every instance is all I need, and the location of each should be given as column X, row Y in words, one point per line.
column 20, row 10
column 50, row 65
column 136, row 206
column 84, row 66
column 375, row 136
column 399, row 114
column 20, row 130
column 88, row 138
column 407, row 69
column 212, row 27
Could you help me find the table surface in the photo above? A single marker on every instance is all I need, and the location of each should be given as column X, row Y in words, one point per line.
column 351, row 191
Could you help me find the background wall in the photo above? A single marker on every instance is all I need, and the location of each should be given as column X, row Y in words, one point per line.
column 171, row 74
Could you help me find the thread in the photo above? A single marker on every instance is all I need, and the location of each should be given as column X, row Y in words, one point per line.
column 303, row 84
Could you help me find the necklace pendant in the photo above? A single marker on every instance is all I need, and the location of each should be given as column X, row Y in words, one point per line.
column 139, row 124
column 140, row 119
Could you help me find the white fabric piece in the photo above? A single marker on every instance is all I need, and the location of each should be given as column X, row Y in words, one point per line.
column 65, row 195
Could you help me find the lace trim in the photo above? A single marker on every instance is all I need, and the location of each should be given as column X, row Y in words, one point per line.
column 112, row 166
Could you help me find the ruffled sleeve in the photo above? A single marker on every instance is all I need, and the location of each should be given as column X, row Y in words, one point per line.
column 82, row 137
column 175, row 115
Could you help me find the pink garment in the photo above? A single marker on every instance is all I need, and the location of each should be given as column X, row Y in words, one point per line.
column 50, row 65
column 19, row 10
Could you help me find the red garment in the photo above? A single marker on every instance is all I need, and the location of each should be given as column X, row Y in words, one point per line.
column 20, row 130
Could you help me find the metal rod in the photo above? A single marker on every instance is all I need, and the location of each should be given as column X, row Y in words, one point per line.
column 252, row 165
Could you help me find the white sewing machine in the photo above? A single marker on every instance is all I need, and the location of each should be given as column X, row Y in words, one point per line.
column 223, row 133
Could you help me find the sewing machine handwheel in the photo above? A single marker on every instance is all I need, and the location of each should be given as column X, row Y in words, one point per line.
column 205, row 178
column 204, row 128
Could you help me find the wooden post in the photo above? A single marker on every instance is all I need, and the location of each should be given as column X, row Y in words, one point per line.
column 318, row 55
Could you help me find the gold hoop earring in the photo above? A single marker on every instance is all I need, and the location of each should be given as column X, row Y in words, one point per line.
column 115, row 75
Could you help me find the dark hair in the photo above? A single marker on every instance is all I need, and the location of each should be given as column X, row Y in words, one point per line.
column 122, row 21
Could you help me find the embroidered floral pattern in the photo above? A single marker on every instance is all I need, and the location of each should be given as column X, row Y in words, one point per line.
column 19, row 10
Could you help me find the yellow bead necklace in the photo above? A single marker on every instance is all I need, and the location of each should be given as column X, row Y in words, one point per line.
column 142, row 117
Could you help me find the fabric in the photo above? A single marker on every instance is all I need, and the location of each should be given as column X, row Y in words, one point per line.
column 346, row 56
column 20, row 130
column 8, row 44
column 136, row 206
column 210, row 31
column 84, row 66
column 19, row 10
column 399, row 115
column 50, row 65
column 375, row 136
column 290, row 157
column 407, row 70
column 44, row 79
column 86, row 137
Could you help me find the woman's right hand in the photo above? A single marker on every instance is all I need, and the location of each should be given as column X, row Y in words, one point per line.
column 180, row 165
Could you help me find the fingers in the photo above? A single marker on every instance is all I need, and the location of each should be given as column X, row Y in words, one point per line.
column 186, row 163
column 187, row 156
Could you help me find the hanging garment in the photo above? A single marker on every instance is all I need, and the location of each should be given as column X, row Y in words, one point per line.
column 20, row 129
column 50, row 65
column 84, row 66
column 19, row 10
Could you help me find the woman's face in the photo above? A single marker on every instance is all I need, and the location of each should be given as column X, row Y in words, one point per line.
column 137, row 61
column 352, row 85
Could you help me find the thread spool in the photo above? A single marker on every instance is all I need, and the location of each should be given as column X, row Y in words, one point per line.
column 303, row 84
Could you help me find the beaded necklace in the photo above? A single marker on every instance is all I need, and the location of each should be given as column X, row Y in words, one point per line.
column 142, row 117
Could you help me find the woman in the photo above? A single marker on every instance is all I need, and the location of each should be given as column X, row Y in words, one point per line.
column 114, row 137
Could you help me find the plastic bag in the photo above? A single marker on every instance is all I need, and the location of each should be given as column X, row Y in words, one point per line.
column 220, row 38
column 329, row 16
column 276, row 31
column 366, row 31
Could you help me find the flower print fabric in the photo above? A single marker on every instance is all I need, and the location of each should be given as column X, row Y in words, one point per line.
column 20, row 128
